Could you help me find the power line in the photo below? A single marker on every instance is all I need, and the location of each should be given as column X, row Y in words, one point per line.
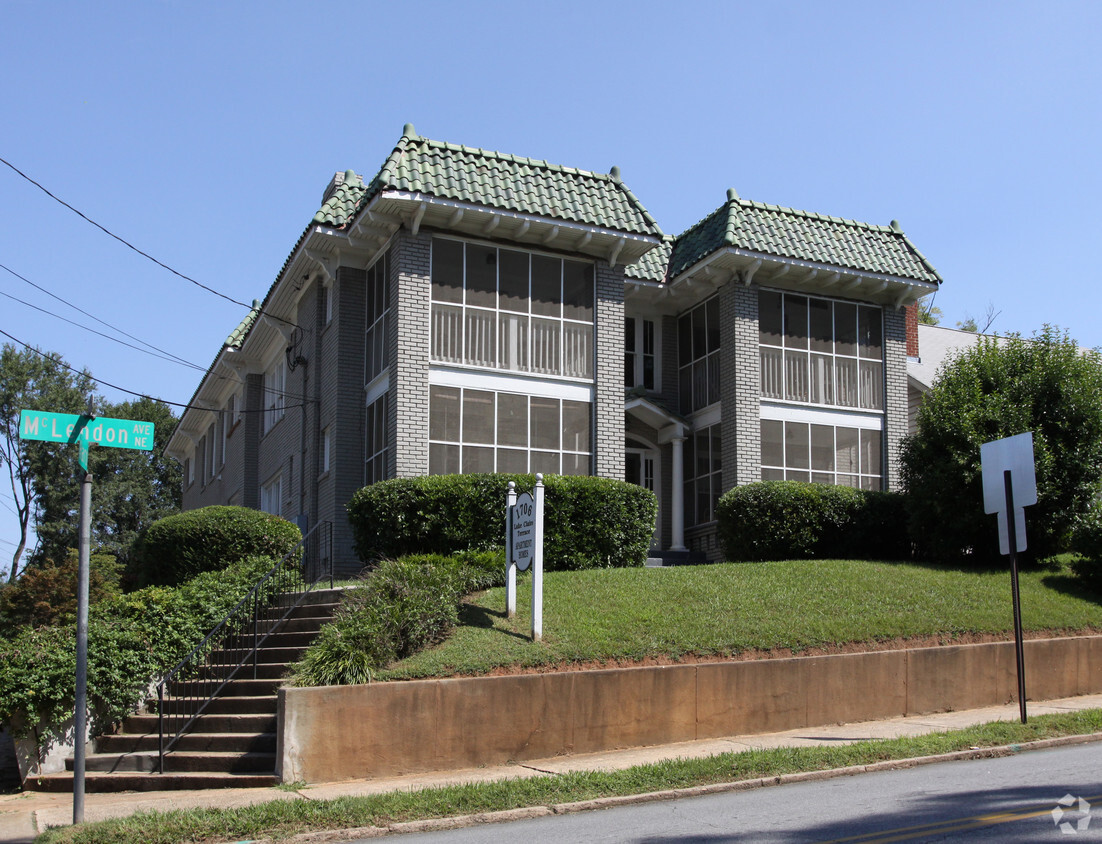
column 131, row 246
column 306, row 401
column 96, row 318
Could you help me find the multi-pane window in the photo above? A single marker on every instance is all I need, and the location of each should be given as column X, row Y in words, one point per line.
column 828, row 454
column 639, row 358
column 698, row 356
column 485, row 431
column 703, row 474
column 271, row 496
column 511, row 310
column 376, row 440
column 211, row 457
column 377, row 295
column 275, row 384
column 820, row 351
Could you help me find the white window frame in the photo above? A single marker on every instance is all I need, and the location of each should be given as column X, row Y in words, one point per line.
column 836, row 419
column 274, row 392
column 639, row 353
column 274, row 487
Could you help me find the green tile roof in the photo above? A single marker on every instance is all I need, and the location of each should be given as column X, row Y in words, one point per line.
column 802, row 236
column 237, row 336
column 652, row 266
column 495, row 180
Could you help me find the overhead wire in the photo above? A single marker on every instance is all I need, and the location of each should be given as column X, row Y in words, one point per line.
column 131, row 246
column 57, row 360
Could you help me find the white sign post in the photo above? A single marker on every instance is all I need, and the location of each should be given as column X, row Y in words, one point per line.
column 1009, row 486
column 524, row 549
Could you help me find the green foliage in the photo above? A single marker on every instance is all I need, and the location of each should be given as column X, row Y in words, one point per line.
column 589, row 522
column 179, row 547
column 404, row 605
column 1087, row 544
column 990, row 391
column 48, row 594
column 131, row 639
column 790, row 520
column 37, row 471
column 928, row 312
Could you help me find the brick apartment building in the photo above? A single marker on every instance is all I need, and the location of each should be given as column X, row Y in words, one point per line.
column 470, row 311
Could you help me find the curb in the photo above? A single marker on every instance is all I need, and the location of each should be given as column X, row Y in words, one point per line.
column 529, row 812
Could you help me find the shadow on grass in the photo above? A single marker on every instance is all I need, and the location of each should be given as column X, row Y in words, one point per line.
column 471, row 615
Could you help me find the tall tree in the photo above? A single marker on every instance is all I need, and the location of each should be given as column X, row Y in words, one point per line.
column 34, row 380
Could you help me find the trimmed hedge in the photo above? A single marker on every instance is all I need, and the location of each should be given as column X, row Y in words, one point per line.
column 177, row 548
column 405, row 605
column 588, row 522
column 791, row 520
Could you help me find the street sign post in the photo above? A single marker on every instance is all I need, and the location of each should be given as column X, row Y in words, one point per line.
column 524, row 549
column 1009, row 486
column 84, row 430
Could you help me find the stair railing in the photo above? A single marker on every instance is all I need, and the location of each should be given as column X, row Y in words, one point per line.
column 186, row 691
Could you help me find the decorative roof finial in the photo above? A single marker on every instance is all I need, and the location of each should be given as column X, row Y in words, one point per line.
column 732, row 194
column 614, row 172
column 408, row 131
column 896, row 227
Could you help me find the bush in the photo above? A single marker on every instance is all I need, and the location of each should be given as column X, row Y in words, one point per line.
column 1087, row 544
column 404, row 606
column 1047, row 386
column 790, row 520
column 179, row 547
column 132, row 639
column 588, row 523
column 47, row 594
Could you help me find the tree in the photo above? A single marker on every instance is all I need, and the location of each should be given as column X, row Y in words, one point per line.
column 130, row 490
column 928, row 312
column 33, row 380
column 1046, row 385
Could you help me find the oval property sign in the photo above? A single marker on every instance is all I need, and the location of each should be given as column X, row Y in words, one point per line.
column 524, row 530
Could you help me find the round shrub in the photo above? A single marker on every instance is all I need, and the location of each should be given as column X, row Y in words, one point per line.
column 588, row 522
column 790, row 520
column 179, row 547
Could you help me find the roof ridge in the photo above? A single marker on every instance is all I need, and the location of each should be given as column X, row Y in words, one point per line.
column 812, row 215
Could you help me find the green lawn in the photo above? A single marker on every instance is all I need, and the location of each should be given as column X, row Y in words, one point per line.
column 720, row 610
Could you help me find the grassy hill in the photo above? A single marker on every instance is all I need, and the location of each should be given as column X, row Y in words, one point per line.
column 627, row 615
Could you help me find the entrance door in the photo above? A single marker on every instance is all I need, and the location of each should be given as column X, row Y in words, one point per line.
column 641, row 469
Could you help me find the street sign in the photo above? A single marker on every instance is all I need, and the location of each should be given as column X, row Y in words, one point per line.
column 74, row 428
column 1013, row 455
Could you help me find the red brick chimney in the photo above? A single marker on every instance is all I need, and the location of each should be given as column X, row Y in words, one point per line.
column 912, row 329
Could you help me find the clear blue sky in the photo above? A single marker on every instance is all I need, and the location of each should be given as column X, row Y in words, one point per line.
column 204, row 133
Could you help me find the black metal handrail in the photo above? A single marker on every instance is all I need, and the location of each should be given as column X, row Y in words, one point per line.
column 185, row 691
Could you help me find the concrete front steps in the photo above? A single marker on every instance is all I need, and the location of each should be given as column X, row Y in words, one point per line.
column 231, row 745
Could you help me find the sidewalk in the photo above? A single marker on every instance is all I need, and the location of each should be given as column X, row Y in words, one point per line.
column 22, row 816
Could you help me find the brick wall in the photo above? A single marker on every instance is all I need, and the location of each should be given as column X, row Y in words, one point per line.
column 608, row 406
column 911, row 312
column 895, row 391
column 410, row 295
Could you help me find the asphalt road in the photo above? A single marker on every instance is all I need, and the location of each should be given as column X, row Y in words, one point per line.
column 1005, row 800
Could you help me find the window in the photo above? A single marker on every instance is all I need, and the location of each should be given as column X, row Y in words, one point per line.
column 201, row 458
column 271, row 496
column 275, row 384
column 820, row 351
column 827, row 454
column 377, row 295
column 212, row 443
column 485, row 431
column 639, row 357
column 326, row 303
column 376, row 440
column 325, row 445
column 703, row 474
column 511, row 310
column 189, row 470
column 698, row 356
column 229, row 419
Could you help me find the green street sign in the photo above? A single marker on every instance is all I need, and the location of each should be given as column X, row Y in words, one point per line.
column 85, row 430
column 74, row 428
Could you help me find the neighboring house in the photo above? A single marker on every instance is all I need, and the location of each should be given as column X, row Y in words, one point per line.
column 935, row 345
column 469, row 311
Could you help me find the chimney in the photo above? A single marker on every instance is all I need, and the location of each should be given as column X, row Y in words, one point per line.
column 911, row 312
column 334, row 183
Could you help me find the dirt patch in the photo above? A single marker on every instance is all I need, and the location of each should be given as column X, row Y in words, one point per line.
column 894, row 644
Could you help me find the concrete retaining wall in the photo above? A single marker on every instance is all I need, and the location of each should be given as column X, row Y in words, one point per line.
column 384, row 729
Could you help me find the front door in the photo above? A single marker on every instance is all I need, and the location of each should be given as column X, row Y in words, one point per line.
column 641, row 469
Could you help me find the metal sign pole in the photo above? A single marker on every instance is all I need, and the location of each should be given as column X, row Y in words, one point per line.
column 537, row 566
column 1019, row 648
column 80, row 716
column 510, row 561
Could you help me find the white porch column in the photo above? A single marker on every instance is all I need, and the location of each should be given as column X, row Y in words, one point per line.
column 677, row 495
